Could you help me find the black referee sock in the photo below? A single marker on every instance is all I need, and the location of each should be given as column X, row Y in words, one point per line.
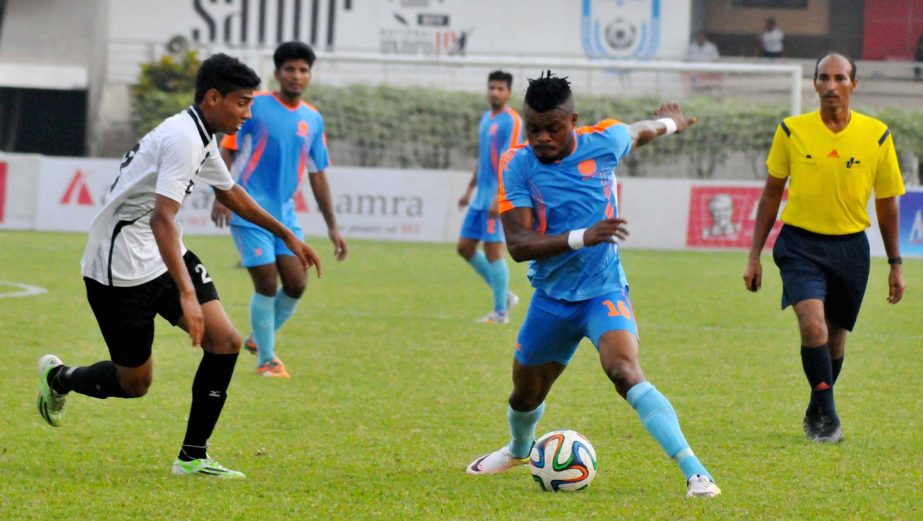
column 209, row 391
column 836, row 364
column 819, row 370
column 98, row 380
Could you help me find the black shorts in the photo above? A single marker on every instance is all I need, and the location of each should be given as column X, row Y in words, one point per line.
column 832, row 268
column 126, row 315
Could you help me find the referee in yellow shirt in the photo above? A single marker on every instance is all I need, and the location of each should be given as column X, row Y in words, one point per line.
column 833, row 158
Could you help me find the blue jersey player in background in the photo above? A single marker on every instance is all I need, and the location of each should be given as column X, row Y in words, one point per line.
column 500, row 129
column 283, row 141
column 558, row 203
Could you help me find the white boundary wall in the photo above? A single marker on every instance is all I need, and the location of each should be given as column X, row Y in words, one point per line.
column 63, row 194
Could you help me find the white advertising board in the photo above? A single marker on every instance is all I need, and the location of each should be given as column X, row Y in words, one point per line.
column 64, row 194
column 627, row 29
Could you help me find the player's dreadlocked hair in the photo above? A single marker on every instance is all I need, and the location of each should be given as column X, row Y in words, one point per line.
column 548, row 92
column 224, row 73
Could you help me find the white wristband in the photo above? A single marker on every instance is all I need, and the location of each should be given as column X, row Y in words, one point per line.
column 575, row 239
column 670, row 124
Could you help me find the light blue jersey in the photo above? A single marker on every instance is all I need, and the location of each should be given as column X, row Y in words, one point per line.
column 496, row 134
column 275, row 148
column 576, row 192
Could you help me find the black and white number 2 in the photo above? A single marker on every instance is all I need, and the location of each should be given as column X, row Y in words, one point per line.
column 200, row 269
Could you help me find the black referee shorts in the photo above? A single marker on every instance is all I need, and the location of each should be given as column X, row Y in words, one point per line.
column 832, row 268
column 126, row 315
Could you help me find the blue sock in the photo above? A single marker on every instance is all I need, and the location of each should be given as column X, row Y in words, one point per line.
column 522, row 428
column 499, row 282
column 479, row 262
column 262, row 309
column 284, row 308
column 661, row 422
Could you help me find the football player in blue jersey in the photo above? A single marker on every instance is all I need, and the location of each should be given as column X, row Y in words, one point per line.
column 500, row 128
column 270, row 155
column 557, row 200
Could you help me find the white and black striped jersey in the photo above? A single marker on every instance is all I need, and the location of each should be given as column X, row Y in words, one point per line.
column 169, row 161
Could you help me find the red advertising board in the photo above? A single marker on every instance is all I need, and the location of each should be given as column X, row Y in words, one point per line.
column 723, row 217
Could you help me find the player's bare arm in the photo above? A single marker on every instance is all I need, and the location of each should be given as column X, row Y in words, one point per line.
column 766, row 213
column 465, row 199
column 221, row 216
column 645, row 131
column 321, row 189
column 238, row 201
column 163, row 224
column 526, row 244
column 886, row 209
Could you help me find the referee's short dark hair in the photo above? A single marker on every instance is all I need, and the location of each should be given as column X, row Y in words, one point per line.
column 852, row 64
column 501, row 76
column 225, row 74
column 293, row 51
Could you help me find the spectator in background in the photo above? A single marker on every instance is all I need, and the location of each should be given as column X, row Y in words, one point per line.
column 771, row 40
column 702, row 49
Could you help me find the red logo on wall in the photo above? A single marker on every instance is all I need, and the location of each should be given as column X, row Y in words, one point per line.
column 724, row 216
column 77, row 191
column 2, row 189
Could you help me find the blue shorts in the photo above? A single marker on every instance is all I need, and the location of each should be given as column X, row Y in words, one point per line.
column 258, row 246
column 831, row 268
column 480, row 226
column 553, row 328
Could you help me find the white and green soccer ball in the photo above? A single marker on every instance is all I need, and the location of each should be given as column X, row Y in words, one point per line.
column 563, row 461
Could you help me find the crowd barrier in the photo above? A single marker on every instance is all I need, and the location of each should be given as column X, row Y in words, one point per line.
column 63, row 194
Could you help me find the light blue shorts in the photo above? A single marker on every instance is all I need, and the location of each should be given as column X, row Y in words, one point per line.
column 258, row 246
column 553, row 328
column 481, row 226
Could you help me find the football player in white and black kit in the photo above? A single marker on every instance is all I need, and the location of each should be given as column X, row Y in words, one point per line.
column 135, row 265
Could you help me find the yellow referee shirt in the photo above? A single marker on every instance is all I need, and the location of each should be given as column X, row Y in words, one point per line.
column 832, row 175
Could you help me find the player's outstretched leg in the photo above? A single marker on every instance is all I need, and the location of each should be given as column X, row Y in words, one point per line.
column 209, row 391
column 661, row 422
column 50, row 402
column 618, row 354
column 516, row 452
column 99, row 380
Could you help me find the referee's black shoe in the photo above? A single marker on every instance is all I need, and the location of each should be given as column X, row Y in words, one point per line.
column 822, row 429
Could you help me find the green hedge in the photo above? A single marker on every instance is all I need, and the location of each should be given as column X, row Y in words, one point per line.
column 415, row 127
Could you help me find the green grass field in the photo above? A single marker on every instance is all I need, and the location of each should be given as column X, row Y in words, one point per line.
column 395, row 390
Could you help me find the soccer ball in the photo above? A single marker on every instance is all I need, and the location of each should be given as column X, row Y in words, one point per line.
column 563, row 461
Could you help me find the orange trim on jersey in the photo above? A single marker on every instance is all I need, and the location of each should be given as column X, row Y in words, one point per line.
column 254, row 159
column 599, row 127
column 517, row 127
column 230, row 142
column 502, row 202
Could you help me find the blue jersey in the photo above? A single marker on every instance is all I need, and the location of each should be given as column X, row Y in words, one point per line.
column 496, row 134
column 576, row 192
column 275, row 148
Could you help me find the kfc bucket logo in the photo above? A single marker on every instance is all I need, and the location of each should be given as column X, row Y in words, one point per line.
column 723, row 217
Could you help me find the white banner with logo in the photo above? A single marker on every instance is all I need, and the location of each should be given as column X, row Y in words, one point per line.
column 418, row 205
column 625, row 29
column 412, row 205
column 409, row 205
column 71, row 190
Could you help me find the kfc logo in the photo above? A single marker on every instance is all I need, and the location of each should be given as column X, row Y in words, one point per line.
column 724, row 216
